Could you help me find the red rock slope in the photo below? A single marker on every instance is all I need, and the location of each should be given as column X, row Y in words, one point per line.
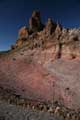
column 44, row 63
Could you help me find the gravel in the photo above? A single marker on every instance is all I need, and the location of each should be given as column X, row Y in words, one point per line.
column 13, row 112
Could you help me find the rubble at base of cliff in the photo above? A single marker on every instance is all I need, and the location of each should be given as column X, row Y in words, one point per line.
column 15, row 103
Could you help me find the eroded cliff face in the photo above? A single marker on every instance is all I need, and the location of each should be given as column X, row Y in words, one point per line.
column 44, row 63
column 64, row 42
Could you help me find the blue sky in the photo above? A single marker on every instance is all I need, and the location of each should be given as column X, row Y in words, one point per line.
column 15, row 13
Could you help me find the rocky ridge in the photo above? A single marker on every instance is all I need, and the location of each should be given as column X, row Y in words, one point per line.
column 65, row 42
column 45, row 59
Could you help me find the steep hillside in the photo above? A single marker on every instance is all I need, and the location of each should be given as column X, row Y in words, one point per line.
column 44, row 63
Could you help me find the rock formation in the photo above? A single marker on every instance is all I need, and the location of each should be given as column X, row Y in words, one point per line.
column 50, row 27
column 23, row 33
column 65, row 41
column 35, row 22
column 44, row 63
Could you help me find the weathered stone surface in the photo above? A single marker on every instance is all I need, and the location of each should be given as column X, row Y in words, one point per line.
column 66, row 42
column 35, row 22
column 50, row 27
column 23, row 33
column 45, row 63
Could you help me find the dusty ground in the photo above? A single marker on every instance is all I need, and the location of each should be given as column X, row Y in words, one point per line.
column 14, row 107
column 11, row 112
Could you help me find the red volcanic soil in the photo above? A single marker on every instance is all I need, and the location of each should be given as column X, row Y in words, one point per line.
column 28, row 79
column 51, row 81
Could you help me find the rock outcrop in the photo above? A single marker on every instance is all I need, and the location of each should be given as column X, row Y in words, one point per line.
column 45, row 59
column 35, row 23
column 50, row 27
column 66, row 42
column 23, row 33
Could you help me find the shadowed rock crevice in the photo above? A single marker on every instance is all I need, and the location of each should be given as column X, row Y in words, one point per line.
column 59, row 52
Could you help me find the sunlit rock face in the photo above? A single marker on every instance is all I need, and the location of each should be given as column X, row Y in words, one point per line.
column 44, row 63
column 23, row 33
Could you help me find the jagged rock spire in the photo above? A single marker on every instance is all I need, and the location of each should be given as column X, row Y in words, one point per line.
column 50, row 26
column 35, row 23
